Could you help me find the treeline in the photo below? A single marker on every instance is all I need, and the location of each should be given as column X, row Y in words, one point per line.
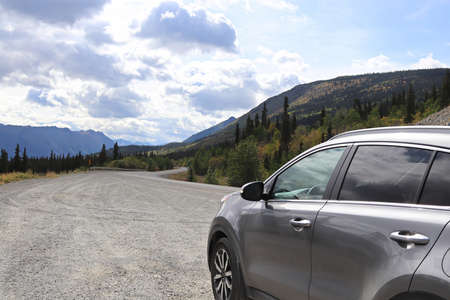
column 266, row 143
column 21, row 162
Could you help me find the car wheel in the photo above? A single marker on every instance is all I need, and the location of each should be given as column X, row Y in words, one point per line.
column 226, row 279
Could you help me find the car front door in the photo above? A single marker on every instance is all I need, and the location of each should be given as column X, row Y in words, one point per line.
column 368, row 243
column 277, row 233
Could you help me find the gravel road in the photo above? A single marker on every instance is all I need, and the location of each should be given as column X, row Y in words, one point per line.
column 106, row 235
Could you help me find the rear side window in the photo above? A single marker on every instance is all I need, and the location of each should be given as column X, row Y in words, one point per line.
column 385, row 174
column 437, row 186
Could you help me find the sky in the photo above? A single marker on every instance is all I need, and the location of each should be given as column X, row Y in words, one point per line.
column 158, row 71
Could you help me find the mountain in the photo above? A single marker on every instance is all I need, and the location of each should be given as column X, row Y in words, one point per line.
column 40, row 141
column 307, row 100
column 210, row 131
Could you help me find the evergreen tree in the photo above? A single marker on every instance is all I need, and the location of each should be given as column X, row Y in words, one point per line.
column 191, row 176
column 243, row 163
column 256, row 120
column 102, row 156
column 237, row 134
column 116, row 151
column 264, row 116
column 4, row 161
column 16, row 160
column 445, row 94
column 322, row 116
column 249, row 126
column 277, row 124
column 294, row 124
column 329, row 131
column 24, row 160
column 410, row 105
column 357, row 106
column 300, row 147
column 285, row 129
column 434, row 93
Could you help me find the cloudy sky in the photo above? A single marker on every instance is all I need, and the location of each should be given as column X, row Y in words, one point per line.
column 158, row 71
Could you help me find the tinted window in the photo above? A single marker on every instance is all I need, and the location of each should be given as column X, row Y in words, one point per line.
column 385, row 174
column 437, row 187
column 308, row 178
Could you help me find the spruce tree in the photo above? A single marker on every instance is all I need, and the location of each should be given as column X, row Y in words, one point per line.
column 294, row 124
column 264, row 116
column 24, row 160
column 237, row 134
column 116, row 151
column 16, row 160
column 256, row 120
column 410, row 105
column 434, row 93
column 4, row 161
column 285, row 129
column 102, row 156
column 329, row 131
column 322, row 116
column 445, row 94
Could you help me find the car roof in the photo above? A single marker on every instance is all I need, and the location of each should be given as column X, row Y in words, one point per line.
column 438, row 136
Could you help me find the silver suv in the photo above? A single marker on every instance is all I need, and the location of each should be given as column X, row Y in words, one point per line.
column 363, row 216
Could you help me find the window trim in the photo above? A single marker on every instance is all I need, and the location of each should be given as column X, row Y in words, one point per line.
column 332, row 181
column 341, row 177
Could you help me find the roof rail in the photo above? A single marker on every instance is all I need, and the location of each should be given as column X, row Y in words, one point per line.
column 389, row 128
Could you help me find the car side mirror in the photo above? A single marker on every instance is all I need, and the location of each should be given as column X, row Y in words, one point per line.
column 252, row 191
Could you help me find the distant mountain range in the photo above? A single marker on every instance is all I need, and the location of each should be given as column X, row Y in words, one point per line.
column 40, row 141
column 209, row 131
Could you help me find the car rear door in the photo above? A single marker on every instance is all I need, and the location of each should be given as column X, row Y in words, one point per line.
column 277, row 233
column 369, row 242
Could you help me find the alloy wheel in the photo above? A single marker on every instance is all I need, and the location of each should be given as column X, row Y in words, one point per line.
column 223, row 277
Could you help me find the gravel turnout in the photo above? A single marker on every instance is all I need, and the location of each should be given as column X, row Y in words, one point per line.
column 106, row 235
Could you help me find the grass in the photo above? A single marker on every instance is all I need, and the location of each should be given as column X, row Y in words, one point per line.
column 18, row 176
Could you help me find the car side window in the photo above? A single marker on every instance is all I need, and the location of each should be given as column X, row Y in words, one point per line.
column 385, row 174
column 437, row 187
column 308, row 178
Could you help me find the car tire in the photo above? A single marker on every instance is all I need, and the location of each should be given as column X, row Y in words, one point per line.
column 226, row 277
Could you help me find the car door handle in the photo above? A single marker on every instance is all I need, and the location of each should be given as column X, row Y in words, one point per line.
column 299, row 224
column 409, row 237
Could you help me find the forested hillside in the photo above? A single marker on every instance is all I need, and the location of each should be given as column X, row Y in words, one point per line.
column 265, row 141
column 306, row 101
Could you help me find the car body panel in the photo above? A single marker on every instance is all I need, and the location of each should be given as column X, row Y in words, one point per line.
column 433, row 274
column 278, row 258
column 353, row 257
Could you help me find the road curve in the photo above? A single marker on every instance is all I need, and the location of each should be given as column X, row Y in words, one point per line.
column 106, row 235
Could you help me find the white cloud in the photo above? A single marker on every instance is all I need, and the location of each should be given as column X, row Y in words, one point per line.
column 277, row 4
column 181, row 28
column 61, row 11
column 428, row 62
column 380, row 63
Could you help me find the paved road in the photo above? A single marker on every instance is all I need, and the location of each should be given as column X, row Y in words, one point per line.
column 110, row 235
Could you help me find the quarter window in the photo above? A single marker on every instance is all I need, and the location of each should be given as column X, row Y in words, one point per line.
column 385, row 174
column 437, row 186
column 308, row 178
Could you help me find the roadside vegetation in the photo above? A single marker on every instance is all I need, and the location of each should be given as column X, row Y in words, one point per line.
column 266, row 143
column 18, row 176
